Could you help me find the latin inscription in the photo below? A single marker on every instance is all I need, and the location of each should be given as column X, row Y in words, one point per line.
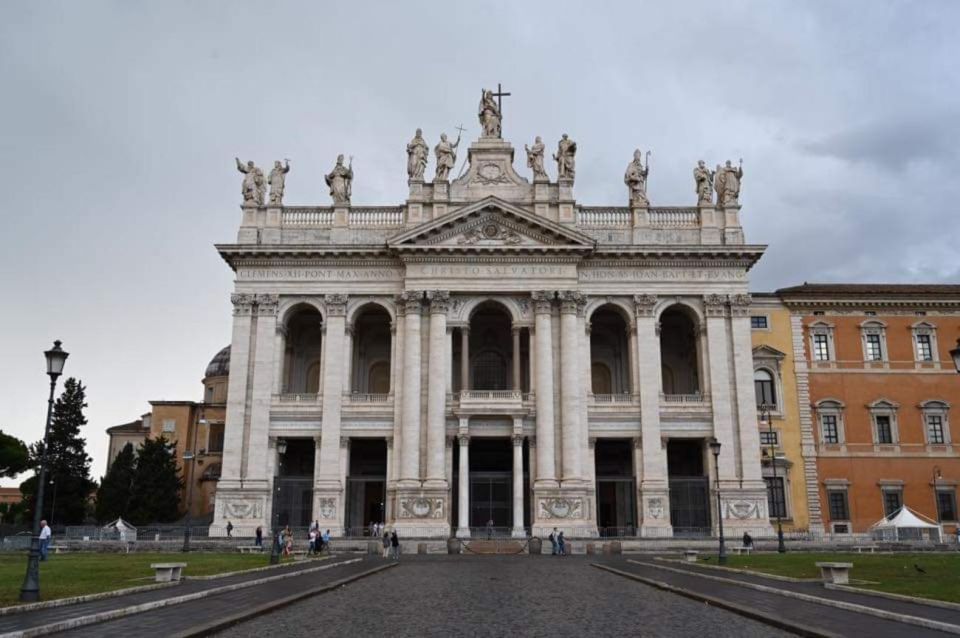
column 660, row 274
column 319, row 274
column 513, row 271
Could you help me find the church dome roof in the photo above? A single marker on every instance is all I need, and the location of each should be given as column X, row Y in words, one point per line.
column 219, row 366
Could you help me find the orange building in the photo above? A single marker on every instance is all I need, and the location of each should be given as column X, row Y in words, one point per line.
column 876, row 390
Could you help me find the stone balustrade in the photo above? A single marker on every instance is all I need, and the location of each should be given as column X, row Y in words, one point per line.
column 490, row 395
column 604, row 217
column 307, row 216
column 673, row 217
column 377, row 217
column 362, row 398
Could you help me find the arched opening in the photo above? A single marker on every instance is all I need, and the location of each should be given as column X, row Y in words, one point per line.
column 765, row 389
column 371, row 352
column 679, row 354
column 609, row 352
column 293, row 483
column 301, row 366
column 495, row 357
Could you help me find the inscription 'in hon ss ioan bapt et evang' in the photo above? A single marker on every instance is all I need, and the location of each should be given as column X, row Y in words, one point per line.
column 319, row 274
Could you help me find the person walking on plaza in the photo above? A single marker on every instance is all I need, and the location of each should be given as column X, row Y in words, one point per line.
column 386, row 544
column 747, row 540
column 313, row 541
column 489, row 528
column 45, row 535
column 229, row 529
column 553, row 542
column 258, row 541
column 395, row 545
column 562, row 543
column 287, row 541
column 325, row 541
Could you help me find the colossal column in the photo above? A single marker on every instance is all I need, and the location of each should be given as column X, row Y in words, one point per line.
column 546, row 466
column 463, row 511
column 571, row 303
column 240, row 355
column 518, row 531
column 464, row 358
column 410, row 416
column 328, row 489
column 654, row 487
column 437, row 389
column 264, row 359
column 715, row 307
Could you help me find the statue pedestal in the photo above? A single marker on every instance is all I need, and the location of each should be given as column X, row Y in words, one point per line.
column 567, row 508
column 655, row 510
column 341, row 215
column 422, row 512
column 710, row 232
column 639, row 215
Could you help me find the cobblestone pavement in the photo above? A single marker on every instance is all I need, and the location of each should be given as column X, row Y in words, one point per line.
column 499, row 596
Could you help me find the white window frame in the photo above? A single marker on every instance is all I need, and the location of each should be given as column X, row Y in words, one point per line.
column 770, row 360
column 843, row 486
column 888, row 408
column 930, row 330
column 822, row 328
column 935, row 407
column 169, row 426
column 765, row 431
column 878, row 328
column 831, row 407
column 766, row 317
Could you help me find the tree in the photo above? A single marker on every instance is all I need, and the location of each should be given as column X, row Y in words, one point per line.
column 113, row 497
column 14, row 456
column 68, row 466
column 155, row 496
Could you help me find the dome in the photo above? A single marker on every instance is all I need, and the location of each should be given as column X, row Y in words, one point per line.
column 219, row 366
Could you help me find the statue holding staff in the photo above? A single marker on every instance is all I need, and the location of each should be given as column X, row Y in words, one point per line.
column 340, row 181
column 703, row 178
column 489, row 114
column 278, row 179
column 252, row 187
column 635, row 178
column 446, row 157
column 731, row 184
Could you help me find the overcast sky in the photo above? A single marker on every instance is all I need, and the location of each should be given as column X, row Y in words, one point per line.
column 119, row 123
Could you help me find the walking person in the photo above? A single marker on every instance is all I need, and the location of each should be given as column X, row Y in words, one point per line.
column 229, row 529
column 395, row 545
column 325, row 541
column 45, row 535
column 287, row 541
column 312, row 535
column 258, row 541
column 553, row 542
column 562, row 544
column 489, row 528
column 386, row 544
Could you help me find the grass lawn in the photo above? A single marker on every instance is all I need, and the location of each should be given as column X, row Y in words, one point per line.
column 894, row 573
column 78, row 574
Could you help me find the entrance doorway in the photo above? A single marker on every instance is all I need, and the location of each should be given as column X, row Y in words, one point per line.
column 491, row 486
column 616, row 486
column 293, row 485
column 366, row 485
column 689, row 488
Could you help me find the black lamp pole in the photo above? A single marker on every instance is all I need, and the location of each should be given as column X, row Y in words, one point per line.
column 715, row 449
column 30, row 590
column 765, row 414
column 188, row 457
column 275, row 515
column 936, row 497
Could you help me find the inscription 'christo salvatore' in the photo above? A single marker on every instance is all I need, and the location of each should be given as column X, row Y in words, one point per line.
column 492, row 270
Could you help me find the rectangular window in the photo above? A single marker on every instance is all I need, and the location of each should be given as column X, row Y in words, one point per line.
column 892, row 501
column 884, row 429
column 758, row 322
column 169, row 425
column 831, row 434
column 776, row 497
column 821, row 347
column 947, row 505
column 924, row 348
column 935, row 429
column 768, row 438
column 215, row 439
column 763, row 388
column 874, row 352
column 839, row 511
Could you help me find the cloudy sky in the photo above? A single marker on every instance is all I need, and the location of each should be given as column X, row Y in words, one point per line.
column 120, row 120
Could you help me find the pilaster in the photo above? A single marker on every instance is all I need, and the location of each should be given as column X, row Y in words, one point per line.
column 437, row 389
column 328, row 492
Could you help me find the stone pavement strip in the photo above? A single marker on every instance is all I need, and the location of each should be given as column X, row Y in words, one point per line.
column 816, row 618
column 27, row 622
column 496, row 596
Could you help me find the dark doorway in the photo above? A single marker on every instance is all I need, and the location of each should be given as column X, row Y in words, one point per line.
column 366, row 485
column 616, row 486
column 293, row 485
column 689, row 488
column 491, row 484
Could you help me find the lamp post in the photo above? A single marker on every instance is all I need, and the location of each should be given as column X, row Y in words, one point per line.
column 715, row 449
column 936, row 497
column 275, row 515
column 188, row 457
column 765, row 416
column 53, row 503
column 30, row 590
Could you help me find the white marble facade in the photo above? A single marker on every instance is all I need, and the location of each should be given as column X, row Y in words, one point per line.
column 492, row 316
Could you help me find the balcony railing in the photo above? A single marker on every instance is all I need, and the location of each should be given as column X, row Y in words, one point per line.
column 376, row 216
column 297, row 398
column 307, row 216
column 490, row 395
column 604, row 217
column 613, row 398
column 696, row 398
column 674, row 217
column 363, row 398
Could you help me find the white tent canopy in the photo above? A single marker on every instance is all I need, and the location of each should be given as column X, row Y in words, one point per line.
column 905, row 525
column 123, row 529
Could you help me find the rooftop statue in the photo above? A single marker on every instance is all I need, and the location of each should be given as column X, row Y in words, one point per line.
column 340, row 181
column 417, row 152
column 635, row 178
column 535, row 159
column 703, row 177
column 727, row 183
column 446, row 157
column 565, row 157
column 489, row 114
column 254, row 186
column 278, row 179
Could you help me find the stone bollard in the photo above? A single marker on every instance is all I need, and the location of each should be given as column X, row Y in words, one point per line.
column 616, row 548
column 421, row 548
column 453, row 545
column 591, row 549
column 535, row 546
column 373, row 548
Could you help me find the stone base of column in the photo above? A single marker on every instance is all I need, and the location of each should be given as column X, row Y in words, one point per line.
column 463, row 532
column 246, row 507
column 328, row 507
column 565, row 508
column 518, row 532
column 422, row 512
column 744, row 510
column 655, row 511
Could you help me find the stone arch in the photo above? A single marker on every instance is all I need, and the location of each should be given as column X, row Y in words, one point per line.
column 356, row 307
column 371, row 348
column 289, row 306
column 303, row 347
column 693, row 309
column 510, row 304
column 610, row 348
column 680, row 349
column 618, row 304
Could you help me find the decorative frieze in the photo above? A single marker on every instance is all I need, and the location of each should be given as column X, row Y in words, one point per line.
column 327, row 507
column 241, row 509
column 422, row 507
column 560, row 508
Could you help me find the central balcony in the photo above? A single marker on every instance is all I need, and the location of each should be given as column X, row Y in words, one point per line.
column 491, row 401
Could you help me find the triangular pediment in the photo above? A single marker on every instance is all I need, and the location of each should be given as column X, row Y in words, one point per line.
column 768, row 352
column 492, row 224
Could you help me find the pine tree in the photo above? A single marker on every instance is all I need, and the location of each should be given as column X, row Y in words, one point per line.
column 113, row 497
column 14, row 456
column 155, row 497
column 68, row 466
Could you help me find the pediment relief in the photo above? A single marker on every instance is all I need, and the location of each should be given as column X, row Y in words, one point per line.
column 768, row 352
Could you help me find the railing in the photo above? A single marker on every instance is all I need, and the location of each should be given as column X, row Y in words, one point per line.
column 674, row 217
column 296, row 398
column 483, row 533
column 613, row 398
column 376, row 216
column 682, row 398
column 490, row 395
column 307, row 216
column 360, row 397
column 604, row 217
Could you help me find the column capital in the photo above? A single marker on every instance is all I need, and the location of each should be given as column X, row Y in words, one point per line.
column 464, row 439
column 344, row 442
column 449, row 442
column 439, row 301
column 714, row 305
column 740, row 305
column 281, row 330
column 242, row 303
column 637, row 443
column 515, row 329
column 517, row 440
column 542, row 301
column 532, row 441
column 571, row 302
column 336, row 305
column 266, row 304
column 592, row 442
column 389, row 441
column 645, row 304
column 410, row 301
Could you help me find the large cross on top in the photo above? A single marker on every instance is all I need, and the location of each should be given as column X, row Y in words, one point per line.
column 500, row 95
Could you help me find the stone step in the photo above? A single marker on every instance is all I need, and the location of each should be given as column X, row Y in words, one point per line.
column 493, row 547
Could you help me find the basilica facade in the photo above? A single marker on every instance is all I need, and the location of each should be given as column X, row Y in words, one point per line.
column 491, row 353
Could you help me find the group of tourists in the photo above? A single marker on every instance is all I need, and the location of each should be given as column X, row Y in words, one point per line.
column 375, row 529
column 318, row 541
column 391, row 544
column 558, row 543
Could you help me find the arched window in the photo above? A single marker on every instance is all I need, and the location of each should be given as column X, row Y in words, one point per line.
column 489, row 371
column 601, row 381
column 380, row 377
column 679, row 351
column 764, row 388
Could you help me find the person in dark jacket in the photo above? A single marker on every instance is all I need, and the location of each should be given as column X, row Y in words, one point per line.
column 395, row 544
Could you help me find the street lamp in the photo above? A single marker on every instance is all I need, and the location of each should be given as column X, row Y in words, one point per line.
column 30, row 590
column 188, row 456
column 53, row 503
column 936, row 497
column 765, row 416
column 715, row 449
column 274, row 545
